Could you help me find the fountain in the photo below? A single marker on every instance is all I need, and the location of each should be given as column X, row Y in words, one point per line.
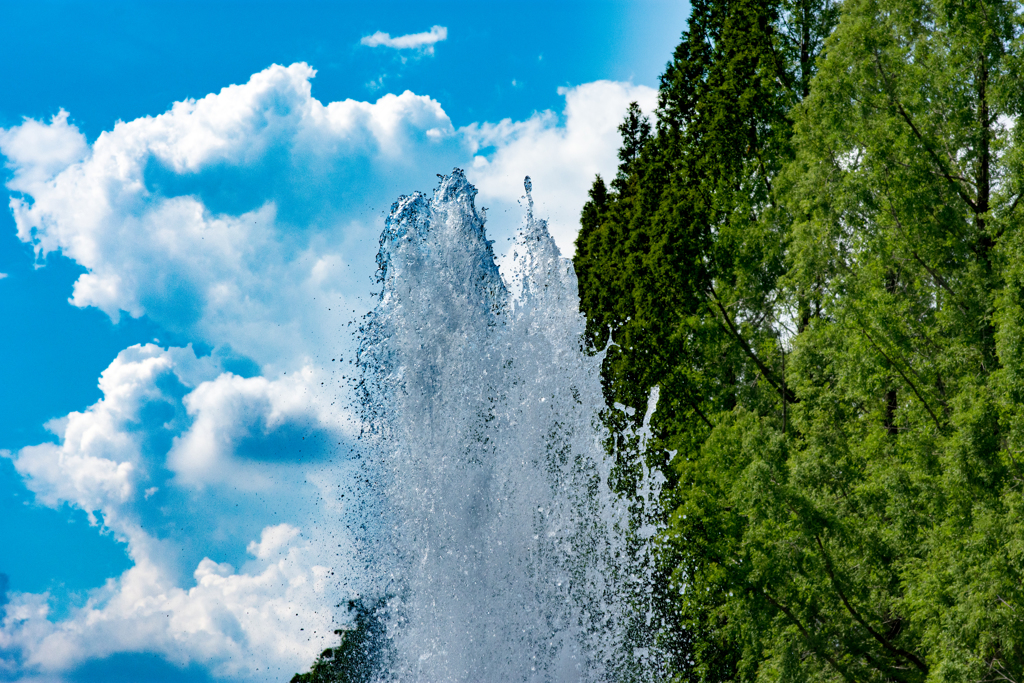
column 494, row 547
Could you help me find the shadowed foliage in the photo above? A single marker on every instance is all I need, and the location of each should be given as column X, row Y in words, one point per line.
column 361, row 652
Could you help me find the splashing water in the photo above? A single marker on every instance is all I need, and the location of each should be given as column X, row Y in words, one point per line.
column 494, row 543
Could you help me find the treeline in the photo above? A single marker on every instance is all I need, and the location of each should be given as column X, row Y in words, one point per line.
column 817, row 252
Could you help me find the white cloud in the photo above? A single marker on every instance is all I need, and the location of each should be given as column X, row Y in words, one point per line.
column 37, row 151
column 272, row 540
column 262, row 623
column 424, row 41
column 561, row 157
column 172, row 424
column 210, row 218
column 97, row 464
column 225, row 218
column 232, row 409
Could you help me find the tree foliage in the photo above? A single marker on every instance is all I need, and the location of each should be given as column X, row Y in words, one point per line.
column 817, row 256
column 363, row 649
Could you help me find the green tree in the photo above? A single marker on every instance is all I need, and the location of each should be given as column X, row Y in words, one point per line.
column 905, row 195
column 679, row 265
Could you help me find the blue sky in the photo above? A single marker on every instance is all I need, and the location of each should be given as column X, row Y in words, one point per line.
column 179, row 281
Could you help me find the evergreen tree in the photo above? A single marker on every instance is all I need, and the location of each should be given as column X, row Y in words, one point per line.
column 904, row 192
column 635, row 131
column 680, row 264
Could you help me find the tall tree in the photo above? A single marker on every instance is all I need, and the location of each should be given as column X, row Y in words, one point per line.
column 679, row 266
column 904, row 191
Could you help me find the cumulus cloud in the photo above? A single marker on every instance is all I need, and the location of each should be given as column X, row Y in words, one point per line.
column 172, row 506
column 38, row 151
column 173, row 431
column 561, row 156
column 272, row 615
column 423, row 41
column 214, row 423
column 226, row 217
column 217, row 216
column 99, row 461
column 277, row 420
column 246, row 220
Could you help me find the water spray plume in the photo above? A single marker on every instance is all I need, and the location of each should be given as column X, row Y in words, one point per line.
column 495, row 546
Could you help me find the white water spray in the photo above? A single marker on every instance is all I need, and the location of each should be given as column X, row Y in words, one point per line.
column 493, row 541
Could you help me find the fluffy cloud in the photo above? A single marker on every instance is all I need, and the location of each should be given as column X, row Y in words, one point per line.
column 225, row 218
column 561, row 158
column 99, row 462
column 262, row 623
column 424, row 41
column 246, row 221
column 37, row 151
column 217, row 216
column 171, row 505
column 277, row 420
column 172, row 433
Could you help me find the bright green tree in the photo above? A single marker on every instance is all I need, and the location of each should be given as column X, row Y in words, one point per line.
column 883, row 536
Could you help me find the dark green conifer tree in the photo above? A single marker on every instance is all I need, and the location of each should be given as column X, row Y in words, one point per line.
column 362, row 653
column 680, row 263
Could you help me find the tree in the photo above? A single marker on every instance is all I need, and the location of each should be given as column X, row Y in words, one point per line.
column 635, row 131
column 680, row 264
column 904, row 193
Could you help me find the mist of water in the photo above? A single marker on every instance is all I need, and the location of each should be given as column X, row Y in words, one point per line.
column 495, row 549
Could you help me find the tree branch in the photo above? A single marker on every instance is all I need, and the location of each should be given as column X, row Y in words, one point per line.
column 765, row 372
column 939, row 280
column 807, row 636
column 902, row 374
column 1015, row 201
column 943, row 171
column 697, row 410
column 910, row 656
